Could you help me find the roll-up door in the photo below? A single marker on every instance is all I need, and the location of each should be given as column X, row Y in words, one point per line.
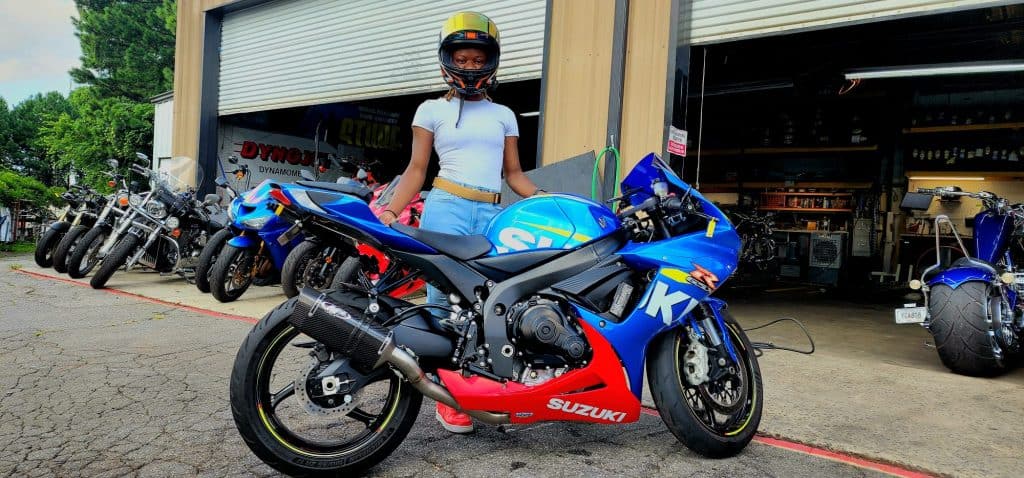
column 300, row 52
column 713, row 21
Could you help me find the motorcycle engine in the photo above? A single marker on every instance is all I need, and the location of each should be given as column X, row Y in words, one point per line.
column 540, row 328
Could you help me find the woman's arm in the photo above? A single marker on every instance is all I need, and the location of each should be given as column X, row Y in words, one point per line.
column 414, row 175
column 514, row 175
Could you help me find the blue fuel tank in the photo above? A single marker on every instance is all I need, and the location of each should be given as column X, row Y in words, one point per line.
column 550, row 221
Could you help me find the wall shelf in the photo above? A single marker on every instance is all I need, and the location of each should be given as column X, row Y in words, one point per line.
column 965, row 127
column 803, row 209
column 786, row 150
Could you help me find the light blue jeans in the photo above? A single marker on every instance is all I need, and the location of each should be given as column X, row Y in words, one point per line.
column 450, row 214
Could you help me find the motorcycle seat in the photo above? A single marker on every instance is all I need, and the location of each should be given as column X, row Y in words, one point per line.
column 455, row 245
column 359, row 191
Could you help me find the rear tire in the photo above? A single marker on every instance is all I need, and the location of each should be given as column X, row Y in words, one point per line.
column 114, row 260
column 224, row 283
column 347, row 272
column 84, row 259
column 66, row 247
column 669, row 387
column 273, row 441
column 44, row 248
column 209, row 257
column 960, row 324
column 294, row 267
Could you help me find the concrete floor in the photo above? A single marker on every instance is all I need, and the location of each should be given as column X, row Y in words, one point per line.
column 872, row 388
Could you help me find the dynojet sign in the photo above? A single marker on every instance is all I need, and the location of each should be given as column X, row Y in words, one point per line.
column 273, row 156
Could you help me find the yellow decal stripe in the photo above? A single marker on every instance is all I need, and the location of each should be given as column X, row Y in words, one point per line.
column 676, row 275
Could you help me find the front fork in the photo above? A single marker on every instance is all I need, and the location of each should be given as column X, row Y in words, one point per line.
column 711, row 324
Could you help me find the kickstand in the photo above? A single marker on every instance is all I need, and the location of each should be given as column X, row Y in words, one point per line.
column 760, row 347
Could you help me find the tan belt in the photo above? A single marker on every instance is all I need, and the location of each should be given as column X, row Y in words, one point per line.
column 466, row 192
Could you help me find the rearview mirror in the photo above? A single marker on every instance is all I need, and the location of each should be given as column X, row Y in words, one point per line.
column 308, row 176
column 142, row 158
column 112, row 163
column 233, row 159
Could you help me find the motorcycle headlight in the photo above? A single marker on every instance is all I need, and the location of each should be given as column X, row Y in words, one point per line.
column 173, row 222
column 156, row 209
column 256, row 222
column 135, row 200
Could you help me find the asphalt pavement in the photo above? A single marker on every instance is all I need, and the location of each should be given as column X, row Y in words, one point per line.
column 94, row 383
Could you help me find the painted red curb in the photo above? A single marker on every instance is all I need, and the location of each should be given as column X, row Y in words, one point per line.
column 826, row 454
column 189, row 308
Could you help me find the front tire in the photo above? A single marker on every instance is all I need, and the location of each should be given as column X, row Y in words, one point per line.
column 960, row 324
column 232, row 274
column 685, row 408
column 44, row 248
column 294, row 268
column 84, row 259
column 276, row 431
column 114, row 260
column 66, row 247
column 209, row 257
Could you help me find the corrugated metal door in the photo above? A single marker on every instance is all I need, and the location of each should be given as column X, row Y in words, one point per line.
column 713, row 21
column 302, row 52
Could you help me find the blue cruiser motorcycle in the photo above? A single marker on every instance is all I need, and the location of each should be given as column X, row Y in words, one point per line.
column 973, row 307
column 554, row 314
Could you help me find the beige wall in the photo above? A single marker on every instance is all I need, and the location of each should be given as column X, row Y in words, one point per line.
column 1010, row 188
column 188, row 74
column 578, row 78
column 643, row 103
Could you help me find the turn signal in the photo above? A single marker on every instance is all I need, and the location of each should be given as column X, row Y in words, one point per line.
column 240, row 175
column 111, row 183
column 123, row 202
column 1007, row 278
column 175, row 233
column 915, row 284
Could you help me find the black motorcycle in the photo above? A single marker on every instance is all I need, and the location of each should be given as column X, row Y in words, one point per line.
column 83, row 255
column 168, row 230
column 103, row 208
column 82, row 207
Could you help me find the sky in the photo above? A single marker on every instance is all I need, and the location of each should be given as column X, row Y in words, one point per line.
column 37, row 48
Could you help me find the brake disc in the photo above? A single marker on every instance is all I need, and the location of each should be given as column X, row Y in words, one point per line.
column 324, row 400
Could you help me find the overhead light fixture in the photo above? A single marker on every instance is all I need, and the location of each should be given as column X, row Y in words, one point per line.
column 946, row 178
column 529, row 114
column 936, row 70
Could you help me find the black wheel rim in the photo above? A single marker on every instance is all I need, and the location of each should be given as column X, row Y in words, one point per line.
column 271, row 398
column 725, row 406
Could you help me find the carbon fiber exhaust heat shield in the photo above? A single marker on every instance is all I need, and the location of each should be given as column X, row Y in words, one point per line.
column 342, row 329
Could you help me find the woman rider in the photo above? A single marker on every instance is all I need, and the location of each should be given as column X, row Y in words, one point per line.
column 476, row 141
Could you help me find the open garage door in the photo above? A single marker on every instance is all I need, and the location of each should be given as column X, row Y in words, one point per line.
column 301, row 52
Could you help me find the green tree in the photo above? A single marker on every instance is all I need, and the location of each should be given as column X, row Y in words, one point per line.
column 95, row 130
column 25, row 152
column 15, row 187
column 127, row 47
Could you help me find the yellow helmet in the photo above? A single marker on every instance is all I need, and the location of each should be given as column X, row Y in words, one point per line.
column 469, row 30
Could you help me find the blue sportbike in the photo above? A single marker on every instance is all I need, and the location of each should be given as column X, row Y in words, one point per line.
column 972, row 306
column 554, row 314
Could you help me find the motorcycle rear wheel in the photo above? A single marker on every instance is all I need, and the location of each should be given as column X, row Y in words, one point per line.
column 960, row 326
column 710, row 429
column 264, row 398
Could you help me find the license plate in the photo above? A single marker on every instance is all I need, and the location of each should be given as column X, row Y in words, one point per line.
column 288, row 235
column 911, row 315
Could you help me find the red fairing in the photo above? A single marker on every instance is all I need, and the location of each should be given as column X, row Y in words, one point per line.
column 607, row 399
column 411, row 216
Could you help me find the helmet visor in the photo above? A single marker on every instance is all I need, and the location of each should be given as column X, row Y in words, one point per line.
column 466, row 24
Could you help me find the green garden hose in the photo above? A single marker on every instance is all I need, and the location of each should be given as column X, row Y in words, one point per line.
column 594, row 178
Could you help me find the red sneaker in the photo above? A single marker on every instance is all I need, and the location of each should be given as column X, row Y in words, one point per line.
column 453, row 420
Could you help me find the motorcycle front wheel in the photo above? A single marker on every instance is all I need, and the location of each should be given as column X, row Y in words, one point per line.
column 117, row 257
column 44, row 248
column 716, row 418
column 211, row 251
column 66, row 247
column 86, row 254
column 232, row 274
column 273, row 400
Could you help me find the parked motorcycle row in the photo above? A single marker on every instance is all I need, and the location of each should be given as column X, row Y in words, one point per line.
column 224, row 250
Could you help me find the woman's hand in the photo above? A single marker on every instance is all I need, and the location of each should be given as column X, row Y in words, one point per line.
column 388, row 217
